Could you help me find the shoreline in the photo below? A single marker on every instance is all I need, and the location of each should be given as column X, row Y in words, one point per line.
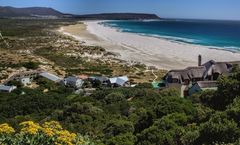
column 171, row 39
column 151, row 51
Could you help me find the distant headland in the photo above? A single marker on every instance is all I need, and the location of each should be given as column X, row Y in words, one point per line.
column 50, row 13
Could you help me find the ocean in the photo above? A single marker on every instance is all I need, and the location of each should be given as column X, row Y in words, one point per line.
column 214, row 34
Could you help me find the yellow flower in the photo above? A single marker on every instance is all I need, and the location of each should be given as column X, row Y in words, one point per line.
column 53, row 125
column 48, row 131
column 29, row 127
column 50, row 128
column 66, row 137
column 6, row 129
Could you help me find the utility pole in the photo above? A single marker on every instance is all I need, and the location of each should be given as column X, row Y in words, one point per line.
column 1, row 37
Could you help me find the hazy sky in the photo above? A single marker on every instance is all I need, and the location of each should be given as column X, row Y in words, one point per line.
column 198, row 9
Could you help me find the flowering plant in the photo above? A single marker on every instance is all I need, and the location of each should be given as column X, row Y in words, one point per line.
column 49, row 133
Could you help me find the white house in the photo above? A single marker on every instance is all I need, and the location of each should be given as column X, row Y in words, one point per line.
column 119, row 81
column 25, row 81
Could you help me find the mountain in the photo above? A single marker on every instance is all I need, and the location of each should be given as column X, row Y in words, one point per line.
column 117, row 16
column 42, row 12
column 29, row 12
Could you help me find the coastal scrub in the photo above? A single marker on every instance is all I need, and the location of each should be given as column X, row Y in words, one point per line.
column 48, row 133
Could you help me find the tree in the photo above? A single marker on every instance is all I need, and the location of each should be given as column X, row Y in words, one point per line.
column 218, row 129
column 165, row 131
column 116, row 103
column 117, row 127
column 144, row 85
column 31, row 65
column 167, row 105
column 114, row 98
column 228, row 90
column 18, row 84
column 118, row 132
column 233, row 110
column 142, row 120
column 122, row 139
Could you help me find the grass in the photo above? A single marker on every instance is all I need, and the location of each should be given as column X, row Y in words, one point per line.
column 59, row 58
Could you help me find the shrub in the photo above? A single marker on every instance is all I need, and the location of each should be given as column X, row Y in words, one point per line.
column 48, row 133
column 30, row 65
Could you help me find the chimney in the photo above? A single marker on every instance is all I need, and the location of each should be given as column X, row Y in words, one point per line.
column 199, row 60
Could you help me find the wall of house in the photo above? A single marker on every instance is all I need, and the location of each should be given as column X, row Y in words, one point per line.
column 194, row 89
column 25, row 81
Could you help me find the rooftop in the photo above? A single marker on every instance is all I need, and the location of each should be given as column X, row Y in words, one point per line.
column 119, row 80
column 51, row 77
column 6, row 88
column 72, row 79
column 207, row 84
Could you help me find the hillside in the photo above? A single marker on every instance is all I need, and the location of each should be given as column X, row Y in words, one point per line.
column 29, row 12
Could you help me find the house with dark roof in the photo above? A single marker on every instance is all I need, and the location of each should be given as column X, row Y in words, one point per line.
column 99, row 80
column 194, row 79
column 211, row 70
column 202, row 86
column 215, row 69
column 185, row 76
column 73, row 82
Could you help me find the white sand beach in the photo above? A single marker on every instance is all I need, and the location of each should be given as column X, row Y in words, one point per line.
column 151, row 51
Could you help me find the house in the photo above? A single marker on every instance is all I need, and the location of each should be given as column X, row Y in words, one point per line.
column 73, row 82
column 7, row 89
column 195, row 79
column 23, row 77
column 102, row 79
column 196, row 73
column 202, row 86
column 25, row 81
column 119, row 81
column 211, row 70
column 185, row 76
column 215, row 69
column 50, row 77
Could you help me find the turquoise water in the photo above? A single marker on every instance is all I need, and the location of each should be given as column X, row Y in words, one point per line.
column 215, row 34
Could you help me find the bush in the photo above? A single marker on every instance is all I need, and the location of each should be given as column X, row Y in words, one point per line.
column 31, row 65
column 48, row 133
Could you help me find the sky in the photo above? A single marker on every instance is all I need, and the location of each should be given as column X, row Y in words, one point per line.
column 191, row 9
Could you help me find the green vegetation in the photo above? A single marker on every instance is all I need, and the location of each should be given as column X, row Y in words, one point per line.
column 31, row 65
column 120, row 116
column 132, row 115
